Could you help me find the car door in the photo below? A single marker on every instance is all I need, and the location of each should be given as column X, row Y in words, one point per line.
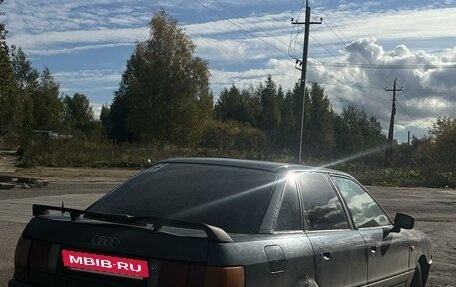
column 388, row 252
column 292, row 244
column 340, row 259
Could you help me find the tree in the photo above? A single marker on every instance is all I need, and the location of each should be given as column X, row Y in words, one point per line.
column 9, row 102
column 118, row 115
column 164, row 93
column 235, row 105
column 26, row 75
column 233, row 138
column 356, row 132
column 77, row 112
column 47, row 105
column 319, row 130
column 289, row 128
column 105, row 119
column 270, row 99
column 443, row 134
column 28, row 85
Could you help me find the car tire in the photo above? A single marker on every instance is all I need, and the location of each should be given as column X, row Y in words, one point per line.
column 417, row 280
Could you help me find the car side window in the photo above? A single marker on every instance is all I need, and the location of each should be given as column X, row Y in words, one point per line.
column 323, row 208
column 363, row 209
column 289, row 217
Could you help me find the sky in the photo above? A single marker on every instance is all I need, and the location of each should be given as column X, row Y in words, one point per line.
column 360, row 48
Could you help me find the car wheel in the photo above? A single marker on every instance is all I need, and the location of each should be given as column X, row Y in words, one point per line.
column 417, row 280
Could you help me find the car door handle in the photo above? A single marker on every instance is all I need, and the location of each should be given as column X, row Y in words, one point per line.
column 372, row 244
column 373, row 249
column 326, row 253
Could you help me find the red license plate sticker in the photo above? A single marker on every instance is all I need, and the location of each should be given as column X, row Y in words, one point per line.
column 109, row 264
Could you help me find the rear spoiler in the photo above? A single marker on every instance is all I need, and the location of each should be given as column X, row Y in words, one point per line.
column 213, row 233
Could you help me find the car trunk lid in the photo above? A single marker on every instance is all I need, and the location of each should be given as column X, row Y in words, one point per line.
column 90, row 247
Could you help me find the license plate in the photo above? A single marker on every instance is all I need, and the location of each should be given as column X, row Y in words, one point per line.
column 118, row 266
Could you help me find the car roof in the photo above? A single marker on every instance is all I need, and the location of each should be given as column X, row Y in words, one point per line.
column 274, row 167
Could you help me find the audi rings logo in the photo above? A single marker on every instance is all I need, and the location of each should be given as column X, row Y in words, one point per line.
column 105, row 241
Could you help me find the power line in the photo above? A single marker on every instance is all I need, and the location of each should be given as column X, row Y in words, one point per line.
column 332, row 30
column 433, row 91
column 335, row 27
column 237, row 25
column 293, row 40
column 416, row 110
column 240, row 27
column 313, row 38
column 213, row 43
column 387, row 66
column 292, row 46
column 251, row 23
column 333, row 73
column 358, row 53
column 325, row 48
column 293, row 52
column 401, row 106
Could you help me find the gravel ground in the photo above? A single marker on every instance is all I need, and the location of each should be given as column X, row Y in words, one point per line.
column 434, row 210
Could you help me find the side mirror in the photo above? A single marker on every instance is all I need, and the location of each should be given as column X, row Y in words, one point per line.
column 403, row 221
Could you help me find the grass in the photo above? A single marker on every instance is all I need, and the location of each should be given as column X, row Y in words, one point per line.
column 103, row 154
column 404, row 176
column 89, row 153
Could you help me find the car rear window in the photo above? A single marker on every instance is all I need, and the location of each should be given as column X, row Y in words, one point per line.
column 231, row 198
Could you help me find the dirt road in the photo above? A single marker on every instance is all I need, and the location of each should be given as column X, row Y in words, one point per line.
column 434, row 210
column 435, row 214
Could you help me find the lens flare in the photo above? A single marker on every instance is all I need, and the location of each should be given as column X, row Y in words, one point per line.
column 355, row 156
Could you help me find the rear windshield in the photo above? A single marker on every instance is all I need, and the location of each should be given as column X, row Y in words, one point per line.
column 231, row 198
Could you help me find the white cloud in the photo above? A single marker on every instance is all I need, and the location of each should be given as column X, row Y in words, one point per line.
column 49, row 39
column 48, row 52
column 85, row 76
column 391, row 25
column 440, row 79
column 269, row 24
column 96, row 108
column 433, row 105
column 416, row 108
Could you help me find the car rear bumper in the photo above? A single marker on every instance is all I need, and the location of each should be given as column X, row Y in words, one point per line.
column 15, row 283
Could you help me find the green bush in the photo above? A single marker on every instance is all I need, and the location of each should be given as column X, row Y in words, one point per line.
column 400, row 176
column 221, row 140
column 82, row 152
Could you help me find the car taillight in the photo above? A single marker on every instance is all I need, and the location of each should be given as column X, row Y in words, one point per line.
column 209, row 276
column 22, row 252
column 43, row 256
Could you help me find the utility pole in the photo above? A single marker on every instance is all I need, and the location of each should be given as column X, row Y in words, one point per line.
column 389, row 148
column 303, row 69
column 409, row 153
